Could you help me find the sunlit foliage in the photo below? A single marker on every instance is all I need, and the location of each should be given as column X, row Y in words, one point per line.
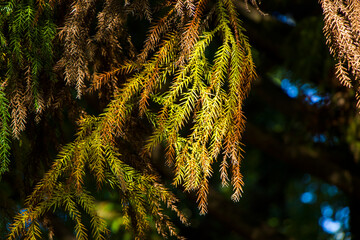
column 186, row 85
column 342, row 32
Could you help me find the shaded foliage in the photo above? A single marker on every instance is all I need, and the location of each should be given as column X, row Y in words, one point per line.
column 98, row 95
column 189, row 95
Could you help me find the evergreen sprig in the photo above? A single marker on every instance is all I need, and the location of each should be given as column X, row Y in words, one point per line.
column 5, row 134
column 342, row 31
column 142, row 194
column 27, row 33
column 190, row 94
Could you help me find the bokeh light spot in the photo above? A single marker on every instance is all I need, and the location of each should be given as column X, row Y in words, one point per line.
column 308, row 197
column 290, row 89
column 330, row 226
column 327, row 211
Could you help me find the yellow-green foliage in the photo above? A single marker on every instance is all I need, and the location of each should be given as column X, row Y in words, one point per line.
column 4, row 134
column 26, row 56
column 191, row 94
column 63, row 186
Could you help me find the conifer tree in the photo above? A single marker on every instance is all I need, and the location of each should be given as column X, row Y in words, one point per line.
column 179, row 81
column 187, row 94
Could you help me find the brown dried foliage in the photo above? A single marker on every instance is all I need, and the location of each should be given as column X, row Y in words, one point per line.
column 342, row 32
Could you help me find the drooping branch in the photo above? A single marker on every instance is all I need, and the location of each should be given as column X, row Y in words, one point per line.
column 342, row 31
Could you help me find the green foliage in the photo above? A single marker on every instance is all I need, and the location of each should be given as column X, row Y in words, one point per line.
column 189, row 94
column 181, row 91
column 63, row 186
column 27, row 33
column 5, row 134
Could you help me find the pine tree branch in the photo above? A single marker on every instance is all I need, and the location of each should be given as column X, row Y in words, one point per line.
column 228, row 213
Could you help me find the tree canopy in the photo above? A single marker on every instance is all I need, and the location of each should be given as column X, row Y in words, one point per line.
column 127, row 119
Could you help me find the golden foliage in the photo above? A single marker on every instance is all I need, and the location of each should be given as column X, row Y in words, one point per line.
column 75, row 34
column 189, row 81
column 342, row 32
column 203, row 99
column 63, row 187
